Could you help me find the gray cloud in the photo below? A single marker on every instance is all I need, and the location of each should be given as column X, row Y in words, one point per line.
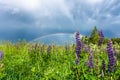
column 34, row 18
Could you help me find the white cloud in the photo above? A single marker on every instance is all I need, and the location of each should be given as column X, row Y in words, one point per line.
column 58, row 14
column 28, row 5
column 50, row 9
column 93, row 2
column 40, row 7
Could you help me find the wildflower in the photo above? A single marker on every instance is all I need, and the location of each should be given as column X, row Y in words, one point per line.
column 77, row 61
column 78, row 47
column 112, row 60
column 91, row 62
column 101, row 38
column 1, row 55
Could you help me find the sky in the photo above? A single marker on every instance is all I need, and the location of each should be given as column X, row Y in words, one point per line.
column 30, row 19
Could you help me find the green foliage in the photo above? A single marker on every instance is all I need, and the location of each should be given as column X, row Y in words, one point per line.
column 94, row 37
column 105, row 41
column 85, row 39
column 94, row 32
column 33, row 62
column 116, row 40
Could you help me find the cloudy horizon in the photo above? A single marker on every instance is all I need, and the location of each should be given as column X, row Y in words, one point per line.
column 30, row 19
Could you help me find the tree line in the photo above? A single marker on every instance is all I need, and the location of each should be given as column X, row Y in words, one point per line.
column 94, row 38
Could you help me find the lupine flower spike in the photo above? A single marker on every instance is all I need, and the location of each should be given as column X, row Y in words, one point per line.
column 1, row 55
column 112, row 60
column 78, row 47
column 91, row 62
column 101, row 38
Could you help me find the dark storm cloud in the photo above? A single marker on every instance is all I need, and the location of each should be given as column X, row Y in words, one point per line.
column 30, row 19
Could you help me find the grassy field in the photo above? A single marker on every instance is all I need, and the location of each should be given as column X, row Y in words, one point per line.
column 24, row 61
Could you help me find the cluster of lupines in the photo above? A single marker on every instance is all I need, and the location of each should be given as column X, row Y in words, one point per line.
column 101, row 38
column 112, row 60
column 110, row 50
column 78, row 47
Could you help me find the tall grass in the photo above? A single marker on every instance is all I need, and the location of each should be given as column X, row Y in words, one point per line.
column 29, row 61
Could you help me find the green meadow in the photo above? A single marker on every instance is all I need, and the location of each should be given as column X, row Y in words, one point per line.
column 29, row 61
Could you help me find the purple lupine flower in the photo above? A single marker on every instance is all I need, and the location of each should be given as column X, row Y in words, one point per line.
column 101, row 35
column 112, row 60
column 78, row 47
column 1, row 55
column 77, row 60
column 91, row 62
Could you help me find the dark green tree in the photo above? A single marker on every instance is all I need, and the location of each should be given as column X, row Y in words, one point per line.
column 94, row 37
column 94, row 32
